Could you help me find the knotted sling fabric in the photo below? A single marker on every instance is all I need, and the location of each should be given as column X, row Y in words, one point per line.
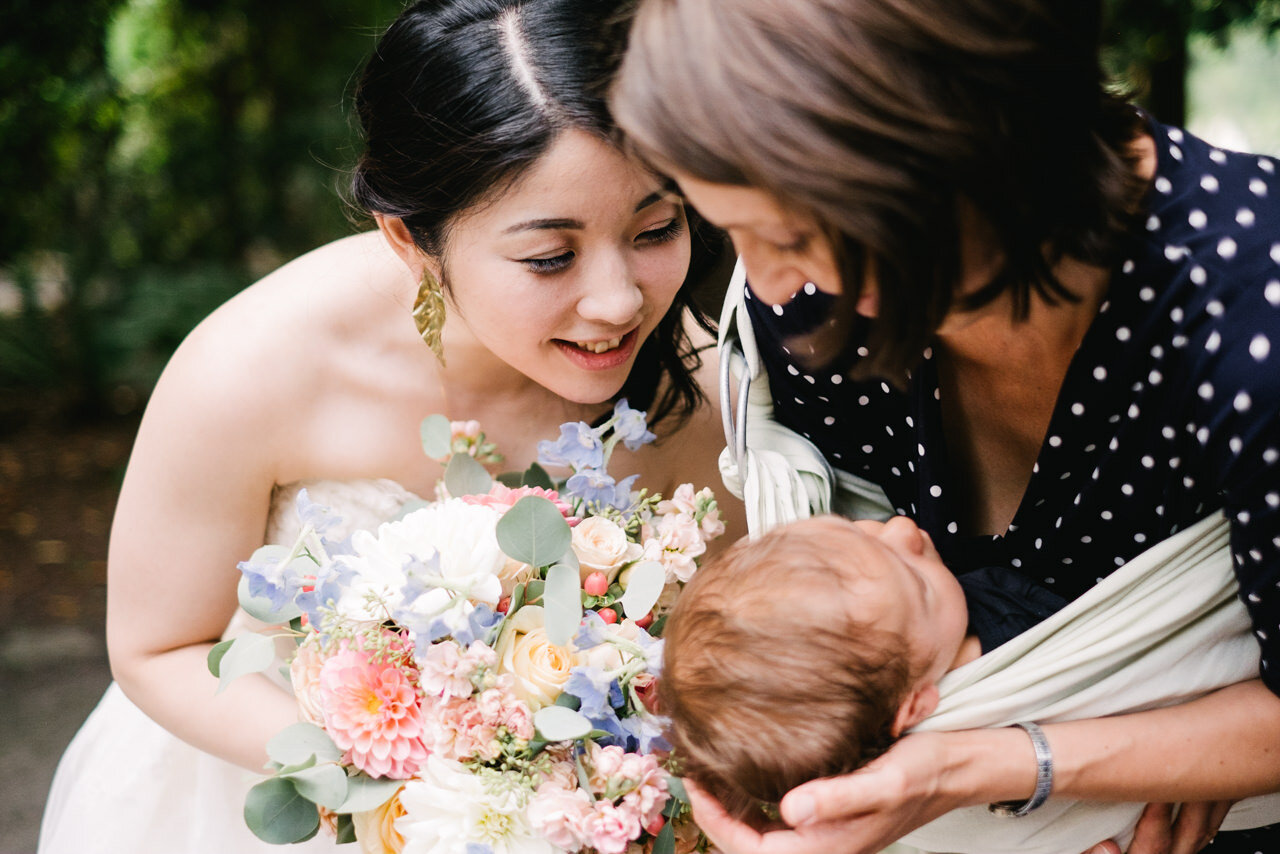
column 780, row 476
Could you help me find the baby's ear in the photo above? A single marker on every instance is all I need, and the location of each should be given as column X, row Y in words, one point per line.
column 918, row 705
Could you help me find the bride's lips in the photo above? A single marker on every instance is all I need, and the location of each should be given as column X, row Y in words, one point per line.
column 592, row 361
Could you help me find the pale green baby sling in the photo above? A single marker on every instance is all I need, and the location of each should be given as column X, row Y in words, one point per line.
column 1165, row 628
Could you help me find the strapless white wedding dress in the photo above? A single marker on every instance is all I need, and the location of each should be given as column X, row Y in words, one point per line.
column 126, row 785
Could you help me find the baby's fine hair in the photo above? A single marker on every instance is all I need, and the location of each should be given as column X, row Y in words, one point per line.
column 769, row 680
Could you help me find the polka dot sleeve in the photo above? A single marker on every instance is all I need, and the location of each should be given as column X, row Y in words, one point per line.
column 1236, row 416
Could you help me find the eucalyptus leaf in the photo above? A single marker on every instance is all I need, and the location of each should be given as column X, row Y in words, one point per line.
column 365, row 793
column 260, row 608
column 296, row 743
column 675, row 786
column 437, row 436
column 536, row 475
column 249, row 653
column 568, row 701
column 562, row 604
column 215, row 656
column 465, row 476
column 286, row 770
column 346, row 829
column 534, row 532
column 556, row 723
column 410, row 506
column 324, row 784
column 533, row 591
column 278, row 814
column 665, row 843
column 644, row 586
column 511, row 479
column 517, row 599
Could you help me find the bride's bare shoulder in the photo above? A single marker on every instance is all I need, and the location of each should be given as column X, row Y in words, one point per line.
column 275, row 342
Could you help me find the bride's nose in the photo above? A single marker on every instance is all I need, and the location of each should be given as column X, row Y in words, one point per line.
column 611, row 294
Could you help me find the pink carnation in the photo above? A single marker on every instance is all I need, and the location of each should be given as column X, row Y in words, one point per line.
column 503, row 498
column 371, row 710
column 610, row 828
column 445, row 671
column 560, row 816
column 463, row 729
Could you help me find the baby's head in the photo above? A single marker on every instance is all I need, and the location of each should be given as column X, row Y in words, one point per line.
column 805, row 653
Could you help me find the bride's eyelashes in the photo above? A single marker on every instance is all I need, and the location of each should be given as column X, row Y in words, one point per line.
column 664, row 233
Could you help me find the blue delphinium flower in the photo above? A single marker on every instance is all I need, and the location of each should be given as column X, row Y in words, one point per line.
column 318, row 516
column 329, row 584
column 482, row 625
column 591, row 632
column 631, row 426
column 594, row 485
column 644, row 732
column 597, row 691
column 579, row 447
column 271, row 578
column 478, row 848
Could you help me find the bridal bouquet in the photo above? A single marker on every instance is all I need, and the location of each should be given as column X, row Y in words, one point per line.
column 477, row 676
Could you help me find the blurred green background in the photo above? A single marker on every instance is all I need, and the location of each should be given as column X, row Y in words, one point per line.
column 156, row 156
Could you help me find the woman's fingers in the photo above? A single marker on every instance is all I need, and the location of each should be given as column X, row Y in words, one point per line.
column 1154, row 834
column 1108, row 847
column 1197, row 824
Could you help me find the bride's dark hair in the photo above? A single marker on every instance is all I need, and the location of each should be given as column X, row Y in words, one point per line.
column 460, row 96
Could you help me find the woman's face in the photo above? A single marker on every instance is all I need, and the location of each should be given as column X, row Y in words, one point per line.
column 566, row 274
column 781, row 250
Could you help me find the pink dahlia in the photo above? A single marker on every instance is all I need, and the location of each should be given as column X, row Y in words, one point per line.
column 503, row 498
column 371, row 710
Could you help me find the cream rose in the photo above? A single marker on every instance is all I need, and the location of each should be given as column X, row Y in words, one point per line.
column 304, row 673
column 602, row 546
column 606, row 656
column 514, row 573
column 376, row 828
column 540, row 667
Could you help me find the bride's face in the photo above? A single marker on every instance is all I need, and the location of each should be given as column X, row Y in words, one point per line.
column 566, row 274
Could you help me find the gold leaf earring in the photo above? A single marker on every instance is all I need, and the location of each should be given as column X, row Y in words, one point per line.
column 428, row 314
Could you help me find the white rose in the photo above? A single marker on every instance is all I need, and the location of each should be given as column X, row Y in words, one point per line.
column 602, row 546
column 540, row 667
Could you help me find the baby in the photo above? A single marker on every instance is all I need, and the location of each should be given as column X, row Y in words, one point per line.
column 807, row 652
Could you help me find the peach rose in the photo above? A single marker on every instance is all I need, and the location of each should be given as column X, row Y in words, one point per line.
column 376, row 828
column 540, row 667
column 304, row 673
column 514, row 572
column 602, row 546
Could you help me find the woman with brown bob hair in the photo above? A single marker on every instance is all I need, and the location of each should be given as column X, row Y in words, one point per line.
column 1038, row 320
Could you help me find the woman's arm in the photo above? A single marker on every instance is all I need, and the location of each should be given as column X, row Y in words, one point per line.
column 194, row 503
column 1225, row 745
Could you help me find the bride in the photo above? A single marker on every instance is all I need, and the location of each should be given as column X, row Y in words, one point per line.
column 564, row 272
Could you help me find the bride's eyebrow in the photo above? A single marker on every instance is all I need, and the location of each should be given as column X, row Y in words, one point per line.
column 663, row 194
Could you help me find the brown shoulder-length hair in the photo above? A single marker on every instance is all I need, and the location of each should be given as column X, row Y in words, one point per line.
column 769, row 680
column 882, row 119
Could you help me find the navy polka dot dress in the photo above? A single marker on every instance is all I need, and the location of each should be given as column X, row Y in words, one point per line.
column 1169, row 411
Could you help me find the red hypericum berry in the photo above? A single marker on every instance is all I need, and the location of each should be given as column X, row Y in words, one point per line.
column 596, row 584
column 504, row 604
column 646, row 621
column 655, row 827
column 609, row 615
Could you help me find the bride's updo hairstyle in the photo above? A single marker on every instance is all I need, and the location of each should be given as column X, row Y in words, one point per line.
column 461, row 96
column 883, row 119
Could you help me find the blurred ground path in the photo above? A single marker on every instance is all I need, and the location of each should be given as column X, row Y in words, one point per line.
column 58, row 486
